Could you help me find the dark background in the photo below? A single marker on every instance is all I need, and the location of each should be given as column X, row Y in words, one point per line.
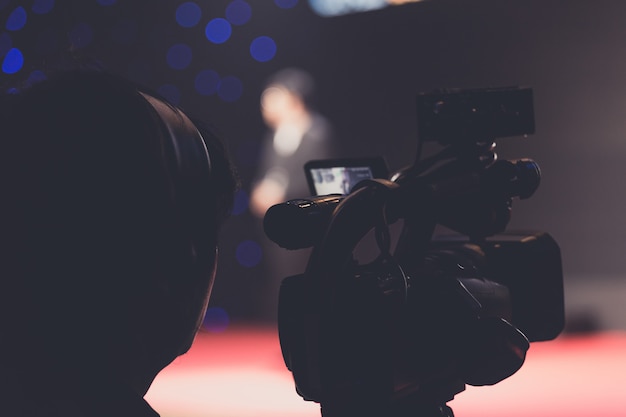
column 368, row 68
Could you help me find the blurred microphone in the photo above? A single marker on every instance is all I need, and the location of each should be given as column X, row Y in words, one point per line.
column 480, row 205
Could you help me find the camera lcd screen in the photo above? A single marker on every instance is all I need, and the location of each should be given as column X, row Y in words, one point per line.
column 339, row 176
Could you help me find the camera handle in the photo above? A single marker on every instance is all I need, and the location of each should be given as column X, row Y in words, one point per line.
column 320, row 380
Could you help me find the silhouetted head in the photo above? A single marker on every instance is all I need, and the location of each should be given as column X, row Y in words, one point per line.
column 112, row 202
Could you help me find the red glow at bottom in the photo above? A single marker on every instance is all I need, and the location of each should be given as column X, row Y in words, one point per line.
column 240, row 373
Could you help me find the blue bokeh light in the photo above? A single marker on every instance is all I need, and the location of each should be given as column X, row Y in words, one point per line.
column 35, row 77
column 248, row 253
column 17, row 19
column 286, row 4
column 230, row 89
column 216, row 320
column 6, row 43
column 81, row 35
column 207, row 82
column 240, row 203
column 107, row 2
column 238, row 12
column 42, row 6
column 263, row 48
column 188, row 14
column 179, row 56
column 171, row 93
column 13, row 61
column 218, row 30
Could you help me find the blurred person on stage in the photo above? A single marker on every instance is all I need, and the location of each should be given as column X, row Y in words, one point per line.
column 297, row 134
column 112, row 205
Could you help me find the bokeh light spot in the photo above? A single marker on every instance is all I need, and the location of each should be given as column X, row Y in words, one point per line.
column 230, row 89
column 6, row 43
column 216, row 320
column 35, row 77
column 107, row 2
column 238, row 12
column 179, row 56
column 218, row 30
column 42, row 6
column 286, row 4
column 263, row 48
column 81, row 35
column 240, row 204
column 207, row 82
column 13, row 61
column 17, row 19
column 171, row 93
column 188, row 14
column 248, row 253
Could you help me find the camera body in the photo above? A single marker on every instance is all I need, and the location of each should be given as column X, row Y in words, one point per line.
column 404, row 333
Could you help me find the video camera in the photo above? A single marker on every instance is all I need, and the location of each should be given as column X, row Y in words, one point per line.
column 401, row 335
